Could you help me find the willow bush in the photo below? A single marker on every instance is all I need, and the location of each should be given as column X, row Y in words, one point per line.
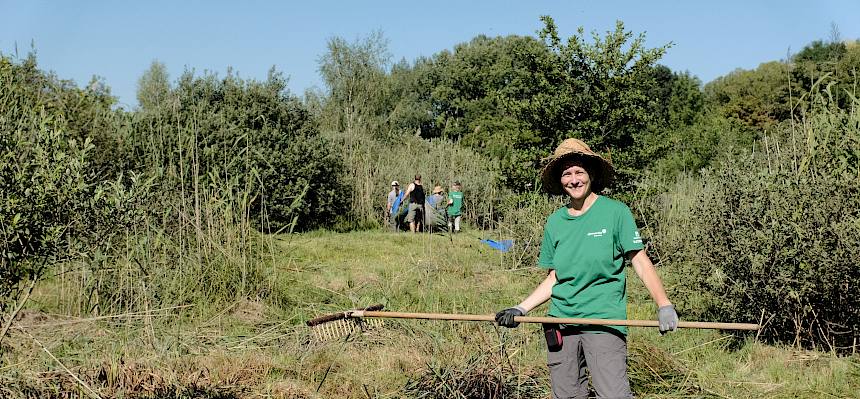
column 771, row 235
column 53, row 206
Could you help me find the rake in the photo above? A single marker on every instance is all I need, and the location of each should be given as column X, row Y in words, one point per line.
column 347, row 322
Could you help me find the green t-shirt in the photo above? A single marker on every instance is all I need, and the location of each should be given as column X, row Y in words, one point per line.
column 587, row 254
column 456, row 204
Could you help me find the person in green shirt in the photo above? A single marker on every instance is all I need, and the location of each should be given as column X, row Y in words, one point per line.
column 584, row 247
column 455, row 205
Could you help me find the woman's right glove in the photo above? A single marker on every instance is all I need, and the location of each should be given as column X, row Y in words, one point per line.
column 506, row 317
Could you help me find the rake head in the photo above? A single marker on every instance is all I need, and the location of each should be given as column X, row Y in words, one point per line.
column 342, row 324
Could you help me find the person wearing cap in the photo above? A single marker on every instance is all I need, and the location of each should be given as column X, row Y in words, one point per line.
column 392, row 199
column 434, row 212
column 415, row 214
column 454, row 207
column 435, row 200
column 583, row 250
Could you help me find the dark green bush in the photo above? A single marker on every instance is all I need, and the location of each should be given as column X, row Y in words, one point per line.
column 772, row 236
column 210, row 131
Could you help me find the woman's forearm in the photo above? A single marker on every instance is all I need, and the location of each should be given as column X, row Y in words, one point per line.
column 541, row 294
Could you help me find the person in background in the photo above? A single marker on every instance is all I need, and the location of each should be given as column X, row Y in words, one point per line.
column 415, row 214
column 455, row 205
column 584, row 247
column 436, row 199
column 434, row 211
column 391, row 218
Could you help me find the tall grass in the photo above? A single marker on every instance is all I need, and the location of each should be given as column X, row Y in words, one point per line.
column 193, row 243
column 262, row 348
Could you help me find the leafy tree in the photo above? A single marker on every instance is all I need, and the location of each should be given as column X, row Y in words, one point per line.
column 410, row 90
column 604, row 83
column 819, row 51
column 153, row 87
column 758, row 99
column 512, row 98
column 686, row 101
column 827, row 68
column 495, row 95
column 677, row 105
column 355, row 76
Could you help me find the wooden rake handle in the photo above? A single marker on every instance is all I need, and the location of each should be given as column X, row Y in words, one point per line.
column 557, row 320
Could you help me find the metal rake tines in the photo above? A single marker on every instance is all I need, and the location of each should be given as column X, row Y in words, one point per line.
column 343, row 324
column 344, row 327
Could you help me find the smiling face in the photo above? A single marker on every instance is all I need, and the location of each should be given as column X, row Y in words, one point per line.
column 575, row 180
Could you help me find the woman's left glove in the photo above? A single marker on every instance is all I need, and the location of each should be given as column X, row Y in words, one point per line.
column 667, row 317
column 506, row 317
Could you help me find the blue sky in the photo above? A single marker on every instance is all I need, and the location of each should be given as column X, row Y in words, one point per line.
column 117, row 40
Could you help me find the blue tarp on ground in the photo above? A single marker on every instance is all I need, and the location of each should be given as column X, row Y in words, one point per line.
column 501, row 245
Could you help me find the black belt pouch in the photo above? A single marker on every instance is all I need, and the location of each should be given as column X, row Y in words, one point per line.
column 554, row 339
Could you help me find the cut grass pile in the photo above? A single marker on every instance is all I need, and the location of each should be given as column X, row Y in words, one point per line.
column 259, row 347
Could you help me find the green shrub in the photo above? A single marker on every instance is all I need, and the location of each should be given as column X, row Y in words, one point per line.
column 213, row 130
column 53, row 208
column 84, row 113
column 168, row 227
column 771, row 236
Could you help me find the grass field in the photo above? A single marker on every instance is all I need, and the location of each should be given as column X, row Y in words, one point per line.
column 259, row 347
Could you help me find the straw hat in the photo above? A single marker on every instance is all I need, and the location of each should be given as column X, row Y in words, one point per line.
column 395, row 183
column 437, row 190
column 599, row 169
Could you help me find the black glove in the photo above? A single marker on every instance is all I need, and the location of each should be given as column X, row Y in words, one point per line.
column 506, row 317
column 667, row 317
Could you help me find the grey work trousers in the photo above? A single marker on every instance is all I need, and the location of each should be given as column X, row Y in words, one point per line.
column 604, row 354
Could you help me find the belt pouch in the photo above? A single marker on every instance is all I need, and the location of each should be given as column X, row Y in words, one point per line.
column 554, row 339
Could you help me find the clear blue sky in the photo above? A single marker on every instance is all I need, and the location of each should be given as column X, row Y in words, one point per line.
column 117, row 40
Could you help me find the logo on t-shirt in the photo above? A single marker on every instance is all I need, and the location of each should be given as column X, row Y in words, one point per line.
column 597, row 233
column 636, row 238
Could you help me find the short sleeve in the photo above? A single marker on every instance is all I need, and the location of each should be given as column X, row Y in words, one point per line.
column 628, row 234
column 547, row 250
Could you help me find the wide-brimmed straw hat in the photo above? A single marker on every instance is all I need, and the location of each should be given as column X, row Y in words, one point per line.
column 437, row 189
column 599, row 169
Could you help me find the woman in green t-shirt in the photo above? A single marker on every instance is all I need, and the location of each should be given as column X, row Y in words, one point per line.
column 583, row 249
